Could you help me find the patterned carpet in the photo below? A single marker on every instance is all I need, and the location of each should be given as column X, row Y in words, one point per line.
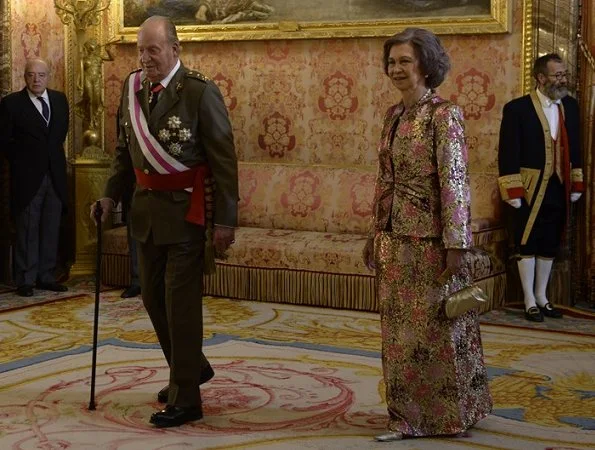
column 576, row 320
column 287, row 377
column 10, row 301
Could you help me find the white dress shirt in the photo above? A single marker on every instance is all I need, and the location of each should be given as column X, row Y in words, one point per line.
column 550, row 109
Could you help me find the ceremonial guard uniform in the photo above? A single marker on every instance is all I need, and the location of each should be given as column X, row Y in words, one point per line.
column 539, row 170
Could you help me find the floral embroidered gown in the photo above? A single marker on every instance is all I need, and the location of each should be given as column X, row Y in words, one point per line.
column 436, row 381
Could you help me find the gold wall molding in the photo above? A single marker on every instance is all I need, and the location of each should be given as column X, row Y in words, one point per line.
column 497, row 21
column 528, row 47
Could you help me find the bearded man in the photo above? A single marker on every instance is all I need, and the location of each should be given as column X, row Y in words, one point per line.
column 540, row 174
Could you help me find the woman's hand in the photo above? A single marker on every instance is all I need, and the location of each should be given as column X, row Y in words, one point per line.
column 456, row 259
column 368, row 254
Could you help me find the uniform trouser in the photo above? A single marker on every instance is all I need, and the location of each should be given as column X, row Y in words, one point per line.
column 37, row 232
column 171, row 279
column 134, row 281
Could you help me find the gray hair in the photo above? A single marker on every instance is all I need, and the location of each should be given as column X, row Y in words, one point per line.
column 29, row 61
column 170, row 28
column 433, row 59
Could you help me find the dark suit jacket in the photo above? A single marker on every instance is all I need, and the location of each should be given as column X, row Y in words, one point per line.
column 200, row 108
column 33, row 148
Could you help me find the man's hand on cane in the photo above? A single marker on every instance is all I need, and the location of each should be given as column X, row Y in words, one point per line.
column 107, row 205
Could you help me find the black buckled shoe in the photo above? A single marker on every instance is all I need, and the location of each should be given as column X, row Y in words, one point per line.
column 174, row 416
column 205, row 376
column 25, row 291
column 534, row 314
column 549, row 311
column 54, row 287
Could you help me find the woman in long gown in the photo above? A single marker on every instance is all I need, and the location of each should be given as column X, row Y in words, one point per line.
column 436, row 381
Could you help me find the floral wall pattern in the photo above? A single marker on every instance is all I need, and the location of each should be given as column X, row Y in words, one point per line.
column 322, row 101
column 312, row 102
column 36, row 32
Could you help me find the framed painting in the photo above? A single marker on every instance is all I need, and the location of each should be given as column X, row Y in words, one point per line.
column 222, row 20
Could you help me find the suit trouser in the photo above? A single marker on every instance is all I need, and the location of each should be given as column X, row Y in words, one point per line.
column 171, row 279
column 132, row 243
column 37, row 232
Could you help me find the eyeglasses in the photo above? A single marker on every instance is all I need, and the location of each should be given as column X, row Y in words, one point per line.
column 559, row 75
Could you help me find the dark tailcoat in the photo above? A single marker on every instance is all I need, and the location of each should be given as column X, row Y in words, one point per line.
column 526, row 155
column 33, row 149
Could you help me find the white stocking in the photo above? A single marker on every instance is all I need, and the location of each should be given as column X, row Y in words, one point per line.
column 527, row 274
column 543, row 268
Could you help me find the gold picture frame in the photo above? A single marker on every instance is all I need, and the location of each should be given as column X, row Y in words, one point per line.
column 465, row 17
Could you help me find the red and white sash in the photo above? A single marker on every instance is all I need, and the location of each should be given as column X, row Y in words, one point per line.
column 155, row 154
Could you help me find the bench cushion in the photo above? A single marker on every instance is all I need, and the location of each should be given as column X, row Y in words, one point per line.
column 298, row 250
column 306, row 198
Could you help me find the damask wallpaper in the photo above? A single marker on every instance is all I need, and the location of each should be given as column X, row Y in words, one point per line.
column 36, row 31
column 311, row 101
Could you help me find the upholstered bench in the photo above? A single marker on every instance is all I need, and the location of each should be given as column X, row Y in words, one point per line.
column 300, row 239
column 488, row 260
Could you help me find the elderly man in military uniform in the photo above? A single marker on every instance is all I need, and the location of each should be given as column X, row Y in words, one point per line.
column 175, row 141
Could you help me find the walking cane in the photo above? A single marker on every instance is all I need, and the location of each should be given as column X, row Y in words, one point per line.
column 98, row 214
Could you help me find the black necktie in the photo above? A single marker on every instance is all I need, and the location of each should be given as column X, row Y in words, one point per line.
column 154, row 95
column 45, row 110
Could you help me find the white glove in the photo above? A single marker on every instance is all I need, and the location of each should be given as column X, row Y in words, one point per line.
column 574, row 196
column 514, row 202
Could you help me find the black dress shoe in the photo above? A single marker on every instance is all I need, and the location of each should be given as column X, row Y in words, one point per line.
column 174, row 416
column 55, row 287
column 25, row 291
column 533, row 314
column 205, row 376
column 549, row 311
column 131, row 291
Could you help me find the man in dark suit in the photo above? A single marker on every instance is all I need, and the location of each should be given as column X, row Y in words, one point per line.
column 540, row 174
column 176, row 142
column 33, row 127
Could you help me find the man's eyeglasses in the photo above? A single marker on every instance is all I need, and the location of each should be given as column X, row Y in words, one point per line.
column 558, row 75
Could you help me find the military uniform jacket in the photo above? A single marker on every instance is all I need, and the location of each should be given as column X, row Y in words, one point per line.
column 526, row 153
column 190, row 122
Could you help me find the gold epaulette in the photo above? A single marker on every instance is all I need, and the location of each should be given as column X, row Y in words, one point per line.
column 197, row 75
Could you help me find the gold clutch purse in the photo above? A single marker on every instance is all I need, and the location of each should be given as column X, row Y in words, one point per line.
column 458, row 303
